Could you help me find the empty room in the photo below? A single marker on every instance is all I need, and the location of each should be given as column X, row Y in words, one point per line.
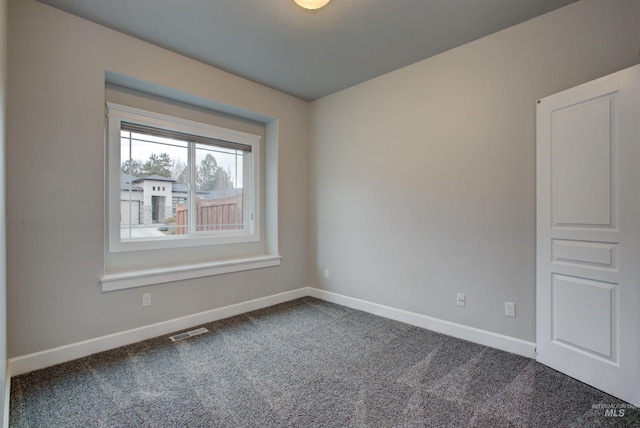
column 269, row 213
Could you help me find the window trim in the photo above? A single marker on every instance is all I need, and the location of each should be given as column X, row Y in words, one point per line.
column 117, row 113
column 152, row 276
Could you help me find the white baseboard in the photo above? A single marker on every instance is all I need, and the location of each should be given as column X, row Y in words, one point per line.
column 40, row 360
column 50, row 357
column 472, row 334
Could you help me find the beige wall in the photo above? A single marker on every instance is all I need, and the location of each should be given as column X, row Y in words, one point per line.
column 55, row 198
column 3, row 254
column 423, row 180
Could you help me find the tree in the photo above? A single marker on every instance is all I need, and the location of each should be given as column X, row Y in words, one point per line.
column 222, row 179
column 211, row 176
column 180, row 172
column 158, row 165
column 206, row 179
column 132, row 167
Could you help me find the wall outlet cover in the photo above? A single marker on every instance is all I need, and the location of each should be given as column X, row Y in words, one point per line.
column 510, row 309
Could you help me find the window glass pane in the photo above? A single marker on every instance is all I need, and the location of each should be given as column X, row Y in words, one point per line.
column 219, row 188
column 154, row 186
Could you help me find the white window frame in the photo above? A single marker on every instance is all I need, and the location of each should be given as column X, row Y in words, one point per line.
column 115, row 115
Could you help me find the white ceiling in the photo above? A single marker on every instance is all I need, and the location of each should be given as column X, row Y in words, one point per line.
column 308, row 54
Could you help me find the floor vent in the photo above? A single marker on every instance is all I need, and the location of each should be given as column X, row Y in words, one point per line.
column 187, row 334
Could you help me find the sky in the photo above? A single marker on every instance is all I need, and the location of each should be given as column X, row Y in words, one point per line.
column 177, row 150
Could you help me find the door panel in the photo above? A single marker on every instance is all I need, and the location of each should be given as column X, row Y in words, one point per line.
column 588, row 234
column 581, row 160
column 582, row 314
column 599, row 254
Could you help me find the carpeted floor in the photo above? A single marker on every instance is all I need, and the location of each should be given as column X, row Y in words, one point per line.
column 309, row 363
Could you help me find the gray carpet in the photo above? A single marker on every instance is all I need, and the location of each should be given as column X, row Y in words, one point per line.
column 308, row 363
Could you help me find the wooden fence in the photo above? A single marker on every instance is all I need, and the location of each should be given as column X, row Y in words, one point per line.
column 218, row 214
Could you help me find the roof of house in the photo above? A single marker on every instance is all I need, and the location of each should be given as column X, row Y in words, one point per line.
column 184, row 188
column 153, row 177
column 179, row 188
column 126, row 180
column 222, row 193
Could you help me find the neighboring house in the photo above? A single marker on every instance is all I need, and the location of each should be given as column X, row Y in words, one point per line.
column 149, row 200
column 131, row 200
column 155, row 199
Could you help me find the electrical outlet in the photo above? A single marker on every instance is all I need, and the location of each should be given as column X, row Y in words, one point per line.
column 326, row 273
column 461, row 299
column 146, row 299
column 509, row 309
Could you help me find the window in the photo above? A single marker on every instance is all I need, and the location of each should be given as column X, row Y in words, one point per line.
column 175, row 183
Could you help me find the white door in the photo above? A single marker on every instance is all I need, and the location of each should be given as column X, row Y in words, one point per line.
column 588, row 234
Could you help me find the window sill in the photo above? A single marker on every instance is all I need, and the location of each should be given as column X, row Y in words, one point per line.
column 139, row 278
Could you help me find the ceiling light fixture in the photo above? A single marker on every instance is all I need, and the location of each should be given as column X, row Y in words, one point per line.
column 312, row 4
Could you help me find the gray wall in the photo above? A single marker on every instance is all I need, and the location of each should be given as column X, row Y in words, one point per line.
column 423, row 180
column 3, row 249
column 55, row 178
column 414, row 186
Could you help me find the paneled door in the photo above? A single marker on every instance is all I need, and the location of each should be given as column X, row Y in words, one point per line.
column 588, row 233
